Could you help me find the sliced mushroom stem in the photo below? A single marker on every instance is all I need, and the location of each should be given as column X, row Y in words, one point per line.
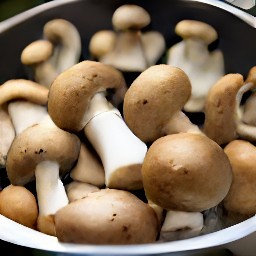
column 181, row 225
column 25, row 114
column 50, row 190
column 121, row 152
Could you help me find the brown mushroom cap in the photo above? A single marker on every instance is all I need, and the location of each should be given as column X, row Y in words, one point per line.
column 186, row 172
column 153, row 98
column 36, row 52
column 19, row 204
column 36, row 144
column 241, row 197
column 196, row 29
column 72, row 90
column 109, row 216
column 130, row 16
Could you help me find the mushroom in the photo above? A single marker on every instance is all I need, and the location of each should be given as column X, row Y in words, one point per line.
column 19, row 204
column 7, row 134
column 77, row 102
column 249, row 114
column 186, row 173
column 26, row 101
column 59, row 49
column 223, row 118
column 109, row 216
column 43, row 153
column 77, row 190
column 133, row 50
column 192, row 55
column 240, row 200
column 153, row 103
column 36, row 55
column 88, row 168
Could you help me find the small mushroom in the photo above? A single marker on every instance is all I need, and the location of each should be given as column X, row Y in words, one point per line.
column 153, row 103
column 19, row 204
column 7, row 134
column 133, row 49
column 78, row 190
column 186, row 172
column 110, row 216
column 223, row 118
column 203, row 67
column 43, row 153
column 88, row 168
column 77, row 101
column 240, row 200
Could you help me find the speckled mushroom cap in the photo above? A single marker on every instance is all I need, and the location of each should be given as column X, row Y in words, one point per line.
column 72, row 90
column 186, row 172
column 220, row 109
column 241, row 196
column 109, row 217
column 153, row 97
column 130, row 16
column 36, row 52
column 196, row 29
column 36, row 144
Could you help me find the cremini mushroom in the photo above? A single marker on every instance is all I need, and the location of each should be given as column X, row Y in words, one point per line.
column 88, row 168
column 43, row 153
column 153, row 103
column 133, row 50
column 185, row 174
column 110, row 216
column 19, row 204
column 249, row 110
column 223, row 117
column 7, row 134
column 78, row 190
column 26, row 101
column 192, row 55
column 240, row 200
column 77, row 101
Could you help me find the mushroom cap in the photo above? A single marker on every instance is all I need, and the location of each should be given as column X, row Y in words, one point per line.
column 186, row 172
column 37, row 52
column 109, row 216
column 196, row 29
column 241, row 197
column 130, row 16
column 220, row 109
column 19, row 204
column 72, row 90
column 36, row 144
column 152, row 99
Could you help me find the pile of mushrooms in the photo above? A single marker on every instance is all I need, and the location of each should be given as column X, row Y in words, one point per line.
column 70, row 151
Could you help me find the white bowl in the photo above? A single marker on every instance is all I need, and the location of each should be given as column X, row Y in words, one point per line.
column 237, row 40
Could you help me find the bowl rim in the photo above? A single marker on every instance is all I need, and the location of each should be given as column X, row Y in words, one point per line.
column 15, row 233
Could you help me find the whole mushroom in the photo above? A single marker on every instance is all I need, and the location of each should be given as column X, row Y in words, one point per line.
column 107, row 217
column 77, row 101
column 43, row 153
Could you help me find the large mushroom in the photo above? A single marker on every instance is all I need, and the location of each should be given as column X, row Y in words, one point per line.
column 185, row 174
column 153, row 103
column 77, row 101
column 43, row 153
column 223, row 116
column 240, row 200
column 19, row 204
column 131, row 49
column 110, row 216
column 192, row 55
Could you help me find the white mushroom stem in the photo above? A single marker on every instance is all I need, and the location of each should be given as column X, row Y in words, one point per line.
column 128, row 54
column 203, row 68
column 50, row 190
column 25, row 114
column 114, row 142
column 181, row 225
